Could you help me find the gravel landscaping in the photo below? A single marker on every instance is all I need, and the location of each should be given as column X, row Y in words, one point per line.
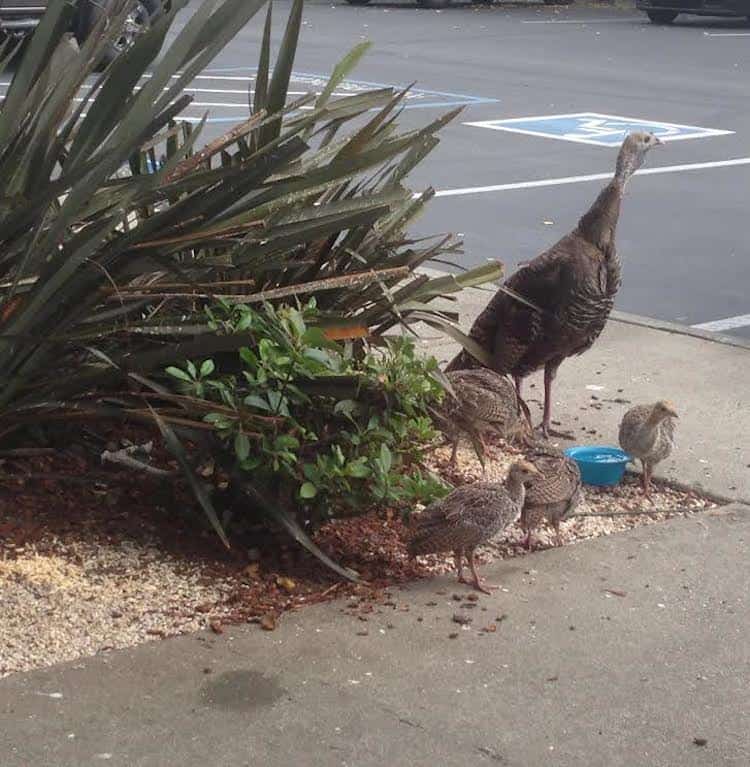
column 89, row 567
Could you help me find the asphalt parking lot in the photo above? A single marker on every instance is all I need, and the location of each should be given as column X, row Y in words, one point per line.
column 683, row 232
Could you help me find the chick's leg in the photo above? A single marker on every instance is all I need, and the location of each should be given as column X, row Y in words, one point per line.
column 485, row 588
column 647, row 480
column 458, row 558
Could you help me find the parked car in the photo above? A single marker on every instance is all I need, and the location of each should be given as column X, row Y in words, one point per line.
column 666, row 11
column 20, row 17
column 446, row 3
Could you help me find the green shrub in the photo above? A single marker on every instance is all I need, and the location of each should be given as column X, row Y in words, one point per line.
column 343, row 427
column 118, row 228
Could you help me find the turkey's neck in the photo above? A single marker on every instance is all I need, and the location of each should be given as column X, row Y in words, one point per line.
column 653, row 422
column 516, row 490
column 599, row 224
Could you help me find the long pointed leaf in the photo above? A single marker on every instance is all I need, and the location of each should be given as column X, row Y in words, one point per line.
column 178, row 451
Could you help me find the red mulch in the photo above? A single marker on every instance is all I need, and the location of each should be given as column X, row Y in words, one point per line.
column 69, row 495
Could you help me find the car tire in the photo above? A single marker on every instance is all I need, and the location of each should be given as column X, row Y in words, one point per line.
column 139, row 21
column 662, row 17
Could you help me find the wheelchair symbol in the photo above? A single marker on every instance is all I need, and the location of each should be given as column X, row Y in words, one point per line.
column 601, row 128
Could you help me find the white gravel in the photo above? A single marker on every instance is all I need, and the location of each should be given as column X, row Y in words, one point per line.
column 86, row 598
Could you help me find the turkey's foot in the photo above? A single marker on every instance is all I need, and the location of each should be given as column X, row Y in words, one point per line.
column 485, row 588
column 547, row 431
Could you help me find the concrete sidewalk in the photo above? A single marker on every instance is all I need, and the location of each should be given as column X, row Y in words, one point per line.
column 707, row 377
column 573, row 676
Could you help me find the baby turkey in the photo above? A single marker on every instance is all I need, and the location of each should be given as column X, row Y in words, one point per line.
column 647, row 433
column 554, row 494
column 483, row 403
column 470, row 515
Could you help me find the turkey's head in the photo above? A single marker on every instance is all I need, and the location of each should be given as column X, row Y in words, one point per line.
column 523, row 472
column 664, row 409
column 633, row 152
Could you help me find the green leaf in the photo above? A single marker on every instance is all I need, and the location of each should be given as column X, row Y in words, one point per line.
column 261, row 75
column 207, row 367
column 358, row 469
column 241, row 446
column 278, row 402
column 322, row 356
column 341, row 70
column 199, row 489
column 253, row 400
column 248, row 357
column 192, row 370
column 252, row 463
column 346, row 407
column 308, row 490
column 311, row 472
column 282, row 71
column 286, row 442
column 386, row 458
column 295, row 318
column 179, row 374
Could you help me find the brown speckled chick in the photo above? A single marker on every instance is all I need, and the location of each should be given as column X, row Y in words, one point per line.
column 470, row 515
column 554, row 494
column 647, row 433
column 485, row 403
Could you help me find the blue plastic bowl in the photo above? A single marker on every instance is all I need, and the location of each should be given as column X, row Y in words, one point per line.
column 600, row 465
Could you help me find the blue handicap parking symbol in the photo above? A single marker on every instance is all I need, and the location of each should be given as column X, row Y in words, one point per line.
column 595, row 128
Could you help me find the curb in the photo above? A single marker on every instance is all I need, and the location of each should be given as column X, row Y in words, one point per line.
column 681, row 330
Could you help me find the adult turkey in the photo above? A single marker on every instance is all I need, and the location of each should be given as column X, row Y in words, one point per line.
column 572, row 287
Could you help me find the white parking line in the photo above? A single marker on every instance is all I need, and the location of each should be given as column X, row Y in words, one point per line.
column 730, row 323
column 590, row 177
column 726, row 34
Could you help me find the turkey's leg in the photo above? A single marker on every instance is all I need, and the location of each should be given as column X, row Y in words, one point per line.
column 550, row 371
column 485, row 588
column 558, row 539
column 458, row 557
column 453, row 453
column 647, row 480
column 485, row 454
column 549, row 376
column 526, row 542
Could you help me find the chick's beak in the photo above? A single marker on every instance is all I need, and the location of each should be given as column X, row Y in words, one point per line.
column 658, row 141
